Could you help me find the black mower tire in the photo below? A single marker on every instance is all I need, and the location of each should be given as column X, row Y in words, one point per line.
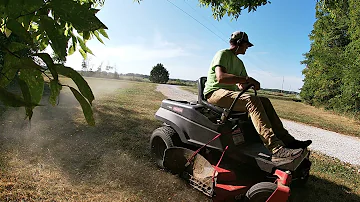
column 260, row 192
column 161, row 139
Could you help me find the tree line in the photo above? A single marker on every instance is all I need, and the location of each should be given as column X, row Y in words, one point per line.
column 332, row 73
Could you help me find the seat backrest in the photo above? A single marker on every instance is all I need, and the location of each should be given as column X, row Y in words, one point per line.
column 201, row 97
column 201, row 86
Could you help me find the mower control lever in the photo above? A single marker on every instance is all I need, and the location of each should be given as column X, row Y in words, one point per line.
column 226, row 112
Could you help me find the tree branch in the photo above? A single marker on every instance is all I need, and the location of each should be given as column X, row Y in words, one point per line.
column 5, row 76
column 4, row 47
column 31, row 12
column 43, row 71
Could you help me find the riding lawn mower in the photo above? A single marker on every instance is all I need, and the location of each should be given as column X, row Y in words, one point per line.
column 219, row 152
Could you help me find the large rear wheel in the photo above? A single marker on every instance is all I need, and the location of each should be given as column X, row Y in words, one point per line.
column 260, row 192
column 161, row 139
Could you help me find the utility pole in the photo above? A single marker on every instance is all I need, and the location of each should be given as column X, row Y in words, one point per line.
column 282, row 86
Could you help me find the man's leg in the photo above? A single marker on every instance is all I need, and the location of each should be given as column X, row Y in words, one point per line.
column 279, row 129
column 275, row 121
column 252, row 105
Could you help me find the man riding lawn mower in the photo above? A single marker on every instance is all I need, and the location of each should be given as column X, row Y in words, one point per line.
column 230, row 145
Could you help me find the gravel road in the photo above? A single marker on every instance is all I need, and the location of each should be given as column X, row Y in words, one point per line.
column 345, row 148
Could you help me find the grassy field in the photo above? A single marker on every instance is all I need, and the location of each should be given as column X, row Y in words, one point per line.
column 287, row 108
column 60, row 158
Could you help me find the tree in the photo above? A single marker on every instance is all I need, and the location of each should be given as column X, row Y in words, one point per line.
column 159, row 74
column 84, row 66
column 116, row 75
column 39, row 24
column 332, row 65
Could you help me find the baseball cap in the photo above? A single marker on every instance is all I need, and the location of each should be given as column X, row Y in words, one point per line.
column 241, row 35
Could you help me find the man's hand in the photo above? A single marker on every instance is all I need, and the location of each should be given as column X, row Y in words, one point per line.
column 241, row 86
column 226, row 78
column 256, row 84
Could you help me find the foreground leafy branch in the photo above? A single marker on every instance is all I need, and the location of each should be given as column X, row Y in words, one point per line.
column 27, row 28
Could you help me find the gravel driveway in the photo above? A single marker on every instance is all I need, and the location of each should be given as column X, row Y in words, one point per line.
column 345, row 148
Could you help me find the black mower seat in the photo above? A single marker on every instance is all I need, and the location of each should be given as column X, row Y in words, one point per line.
column 202, row 100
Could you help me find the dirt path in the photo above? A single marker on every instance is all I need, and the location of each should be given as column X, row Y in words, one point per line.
column 345, row 148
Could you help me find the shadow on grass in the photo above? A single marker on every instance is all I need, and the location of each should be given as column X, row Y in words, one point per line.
column 322, row 190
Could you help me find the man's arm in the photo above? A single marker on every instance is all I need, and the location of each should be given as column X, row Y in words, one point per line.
column 226, row 78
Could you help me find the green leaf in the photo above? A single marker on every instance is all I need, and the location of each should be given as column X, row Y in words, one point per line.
column 27, row 97
column 56, row 36
column 43, row 42
column 10, row 99
column 49, row 63
column 83, row 53
column 86, row 107
column 98, row 37
column 14, row 8
column 103, row 32
column 55, row 91
column 25, row 20
column 78, row 79
column 12, row 65
column 16, row 46
column 83, row 46
column 73, row 40
column 71, row 50
column 46, row 58
column 86, row 35
column 7, row 32
column 19, row 30
column 32, row 5
column 3, row 4
column 28, row 63
column 35, row 83
column 8, row 72
column 81, row 17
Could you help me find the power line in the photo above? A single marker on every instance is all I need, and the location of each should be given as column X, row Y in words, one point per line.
column 205, row 19
column 229, row 24
column 197, row 21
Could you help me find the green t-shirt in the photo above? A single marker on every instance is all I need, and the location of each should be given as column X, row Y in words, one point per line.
column 233, row 65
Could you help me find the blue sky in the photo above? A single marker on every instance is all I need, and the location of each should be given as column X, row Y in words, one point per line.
column 156, row 31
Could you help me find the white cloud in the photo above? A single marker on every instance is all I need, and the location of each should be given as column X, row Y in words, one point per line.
column 133, row 56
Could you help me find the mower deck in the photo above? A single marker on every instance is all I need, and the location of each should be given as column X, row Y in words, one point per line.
column 217, row 182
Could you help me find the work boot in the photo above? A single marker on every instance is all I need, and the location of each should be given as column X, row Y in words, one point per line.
column 296, row 144
column 287, row 153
